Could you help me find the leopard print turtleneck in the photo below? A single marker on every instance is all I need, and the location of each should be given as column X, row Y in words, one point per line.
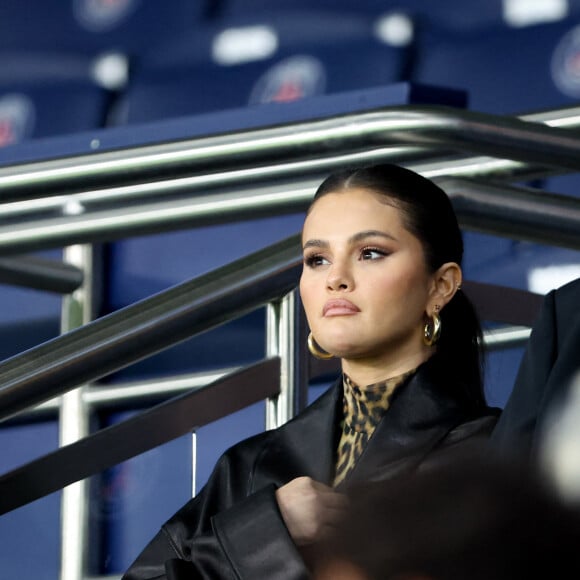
column 363, row 409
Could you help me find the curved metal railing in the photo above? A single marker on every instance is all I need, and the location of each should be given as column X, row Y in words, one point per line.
column 110, row 195
column 444, row 128
column 146, row 327
column 114, row 194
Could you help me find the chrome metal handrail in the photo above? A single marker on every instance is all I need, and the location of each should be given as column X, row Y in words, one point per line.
column 153, row 427
column 131, row 203
column 40, row 273
column 141, row 329
column 245, row 174
column 485, row 207
column 521, row 213
column 427, row 126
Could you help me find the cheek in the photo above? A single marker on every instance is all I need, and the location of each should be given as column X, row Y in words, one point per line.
column 302, row 287
column 305, row 288
column 310, row 296
column 406, row 286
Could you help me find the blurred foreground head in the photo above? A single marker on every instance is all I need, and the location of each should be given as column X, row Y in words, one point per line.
column 462, row 521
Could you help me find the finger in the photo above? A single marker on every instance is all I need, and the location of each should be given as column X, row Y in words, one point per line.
column 325, row 490
column 334, row 501
column 321, row 487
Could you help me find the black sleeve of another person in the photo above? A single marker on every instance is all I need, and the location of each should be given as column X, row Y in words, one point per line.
column 549, row 364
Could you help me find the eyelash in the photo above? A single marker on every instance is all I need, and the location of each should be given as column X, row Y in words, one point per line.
column 311, row 261
column 314, row 260
column 368, row 249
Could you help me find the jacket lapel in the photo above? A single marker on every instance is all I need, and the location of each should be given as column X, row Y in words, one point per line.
column 419, row 417
column 306, row 445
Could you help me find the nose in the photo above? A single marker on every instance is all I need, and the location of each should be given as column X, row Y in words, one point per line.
column 339, row 277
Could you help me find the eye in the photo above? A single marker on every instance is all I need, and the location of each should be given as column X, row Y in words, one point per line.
column 372, row 254
column 315, row 260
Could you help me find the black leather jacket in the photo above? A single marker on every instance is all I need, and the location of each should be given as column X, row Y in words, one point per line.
column 549, row 365
column 233, row 528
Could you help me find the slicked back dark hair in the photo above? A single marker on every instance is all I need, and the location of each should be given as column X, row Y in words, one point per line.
column 427, row 213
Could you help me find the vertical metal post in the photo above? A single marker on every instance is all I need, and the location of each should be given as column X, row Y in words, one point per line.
column 193, row 464
column 78, row 309
column 282, row 336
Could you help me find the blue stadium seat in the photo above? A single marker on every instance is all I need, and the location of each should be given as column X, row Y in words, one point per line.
column 279, row 59
column 94, row 26
column 508, row 70
column 453, row 14
column 43, row 95
column 505, row 70
column 51, row 52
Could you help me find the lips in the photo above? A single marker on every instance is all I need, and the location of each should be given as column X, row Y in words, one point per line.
column 340, row 307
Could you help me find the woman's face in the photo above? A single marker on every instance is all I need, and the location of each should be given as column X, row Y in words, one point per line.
column 365, row 285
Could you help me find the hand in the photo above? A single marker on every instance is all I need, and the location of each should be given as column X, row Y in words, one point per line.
column 309, row 509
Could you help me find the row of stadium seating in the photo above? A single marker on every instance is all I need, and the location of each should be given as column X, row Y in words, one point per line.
column 60, row 73
column 91, row 27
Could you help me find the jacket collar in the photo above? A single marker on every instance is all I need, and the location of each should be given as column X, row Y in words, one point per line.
column 419, row 417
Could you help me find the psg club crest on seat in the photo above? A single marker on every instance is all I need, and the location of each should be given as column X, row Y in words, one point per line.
column 566, row 63
column 289, row 80
column 17, row 117
column 103, row 15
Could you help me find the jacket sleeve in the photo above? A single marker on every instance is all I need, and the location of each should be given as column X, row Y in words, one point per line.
column 228, row 531
column 515, row 429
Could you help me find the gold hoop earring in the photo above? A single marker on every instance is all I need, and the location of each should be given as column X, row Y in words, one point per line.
column 432, row 330
column 316, row 351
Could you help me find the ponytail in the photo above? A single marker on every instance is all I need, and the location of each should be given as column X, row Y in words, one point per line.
column 459, row 351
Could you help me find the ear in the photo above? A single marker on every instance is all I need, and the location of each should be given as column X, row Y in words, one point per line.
column 446, row 281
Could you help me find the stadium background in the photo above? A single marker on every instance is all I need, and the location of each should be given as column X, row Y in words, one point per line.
column 69, row 67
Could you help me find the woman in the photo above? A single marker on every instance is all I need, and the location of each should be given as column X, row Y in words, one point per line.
column 381, row 287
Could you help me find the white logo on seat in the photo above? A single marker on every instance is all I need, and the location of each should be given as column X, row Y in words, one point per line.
column 289, row 80
column 566, row 63
column 17, row 116
column 103, row 15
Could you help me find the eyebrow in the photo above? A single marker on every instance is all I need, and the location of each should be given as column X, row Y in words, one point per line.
column 358, row 237
column 371, row 234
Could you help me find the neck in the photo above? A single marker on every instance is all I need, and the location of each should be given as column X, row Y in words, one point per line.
column 368, row 372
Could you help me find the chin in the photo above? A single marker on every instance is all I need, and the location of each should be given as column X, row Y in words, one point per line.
column 344, row 350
